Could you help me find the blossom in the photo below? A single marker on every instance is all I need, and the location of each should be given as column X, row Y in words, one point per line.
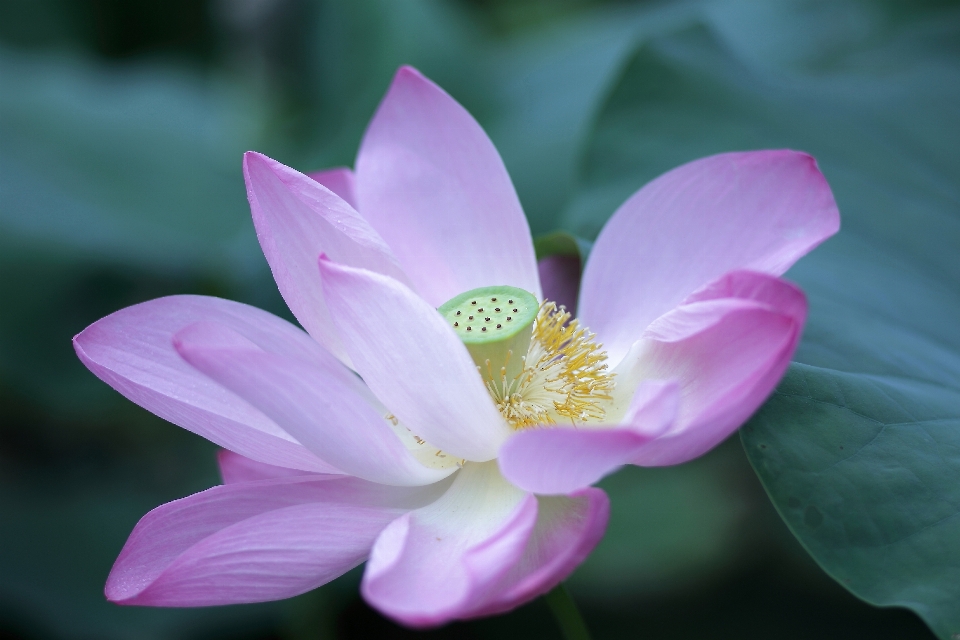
column 459, row 467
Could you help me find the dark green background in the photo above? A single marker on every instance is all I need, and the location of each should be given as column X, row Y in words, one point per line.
column 122, row 124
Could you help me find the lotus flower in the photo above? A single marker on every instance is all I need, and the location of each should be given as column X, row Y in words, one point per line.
column 453, row 455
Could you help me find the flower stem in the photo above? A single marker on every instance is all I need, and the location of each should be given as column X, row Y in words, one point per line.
column 566, row 613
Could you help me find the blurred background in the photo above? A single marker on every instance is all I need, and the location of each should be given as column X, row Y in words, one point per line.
column 122, row 124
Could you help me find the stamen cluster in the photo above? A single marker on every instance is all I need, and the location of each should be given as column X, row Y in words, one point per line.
column 564, row 376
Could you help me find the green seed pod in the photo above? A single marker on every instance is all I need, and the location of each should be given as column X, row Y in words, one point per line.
column 495, row 324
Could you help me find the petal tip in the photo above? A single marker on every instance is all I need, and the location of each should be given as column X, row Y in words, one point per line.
column 249, row 158
column 407, row 71
column 76, row 342
column 254, row 159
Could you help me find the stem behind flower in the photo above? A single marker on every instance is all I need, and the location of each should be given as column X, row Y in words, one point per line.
column 566, row 613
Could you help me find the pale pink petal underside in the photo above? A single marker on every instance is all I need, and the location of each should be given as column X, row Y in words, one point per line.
column 414, row 363
column 567, row 530
column 297, row 219
column 324, row 407
column 341, row 181
column 132, row 351
column 431, row 182
column 255, row 541
column 759, row 210
column 237, row 468
column 445, row 560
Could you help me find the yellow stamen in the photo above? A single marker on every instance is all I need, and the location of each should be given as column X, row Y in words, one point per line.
column 564, row 375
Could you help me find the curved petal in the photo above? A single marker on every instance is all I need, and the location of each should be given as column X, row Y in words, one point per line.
column 431, row 182
column 455, row 550
column 776, row 293
column 567, row 530
column 132, row 351
column 341, row 181
column 560, row 279
column 255, row 541
column 413, row 362
column 726, row 369
column 236, row 468
column 326, row 412
column 561, row 460
column 297, row 219
column 759, row 210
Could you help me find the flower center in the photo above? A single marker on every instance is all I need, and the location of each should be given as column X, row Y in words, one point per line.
column 539, row 366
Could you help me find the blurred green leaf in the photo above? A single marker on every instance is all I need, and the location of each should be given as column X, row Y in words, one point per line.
column 866, row 472
column 549, row 86
column 134, row 163
column 872, row 94
column 352, row 50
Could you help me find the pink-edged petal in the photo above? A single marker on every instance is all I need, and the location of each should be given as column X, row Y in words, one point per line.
column 560, row 280
column 694, row 317
column 727, row 369
column 447, row 559
column 414, row 363
column 567, row 530
column 255, row 541
column 759, row 210
column 776, row 293
column 326, row 412
column 341, row 181
column 431, row 182
column 561, row 460
column 297, row 219
column 132, row 351
column 237, row 468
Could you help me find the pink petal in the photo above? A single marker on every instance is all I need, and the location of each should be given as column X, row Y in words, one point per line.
column 297, row 219
column 560, row 279
column 255, row 541
column 339, row 180
column 561, row 460
column 413, row 362
column 567, row 530
column 132, row 351
column 325, row 409
column 759, row 210
column 727, row 369
column 237, row 468
column 447, row 559
column 779, row 294
column 431, row 182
